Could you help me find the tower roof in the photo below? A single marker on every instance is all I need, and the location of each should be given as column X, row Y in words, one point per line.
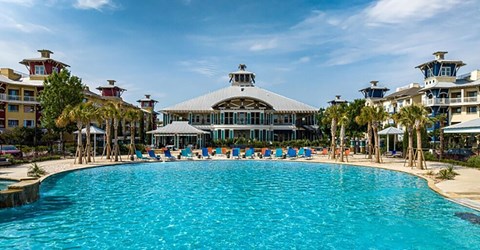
column 440, row 58
column 44, row 57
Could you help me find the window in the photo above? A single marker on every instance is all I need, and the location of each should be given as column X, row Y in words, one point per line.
column 456, row 95
column 28, row 109
column 445, row 71
column 197, row 118
column 12, row 123
column 28, row 123
column 456, row 110
column 255, row 119
column 12, row 108
column 54, row 69
column 228, row 118
column 39, row 70
column 472, row 110
column 472, row 94
column 429, row 73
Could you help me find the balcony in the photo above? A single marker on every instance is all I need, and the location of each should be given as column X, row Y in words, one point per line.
column 18, row 99
column 29, row 99
column 13, row 97
column 436, row 101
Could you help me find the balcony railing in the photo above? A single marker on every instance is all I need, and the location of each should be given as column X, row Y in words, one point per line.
column 29, row 98
column 13, row 97
column 436, row 101
column 455, row 100
column 470, row 99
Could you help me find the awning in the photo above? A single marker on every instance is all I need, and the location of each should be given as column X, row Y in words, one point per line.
column 391, row 131
column 468, row 127
column 177, row 128
column 93, row 130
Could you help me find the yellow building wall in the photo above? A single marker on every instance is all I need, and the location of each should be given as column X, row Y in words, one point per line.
column 21, row 115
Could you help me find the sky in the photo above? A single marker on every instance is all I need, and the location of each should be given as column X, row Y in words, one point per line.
column 176, row 50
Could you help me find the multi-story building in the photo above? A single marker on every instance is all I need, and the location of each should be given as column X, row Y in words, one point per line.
column 19, row 106
column 445, row 93
column 374, row 94
column 244, row 110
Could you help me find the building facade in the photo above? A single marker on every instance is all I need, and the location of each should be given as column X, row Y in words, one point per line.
column 19, row 106
column 244, row 110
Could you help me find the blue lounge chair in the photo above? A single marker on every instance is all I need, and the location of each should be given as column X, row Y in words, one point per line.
column 279, row 153
column 205, row 153
column 218, row 152
column 152, row 155
column 308, row 154
column 140, row 155
column 301, row 152
column 236, row 153
column 267, row 154
column 292, row 153
column 249, row 153
column 168, row 155
column 185, row 153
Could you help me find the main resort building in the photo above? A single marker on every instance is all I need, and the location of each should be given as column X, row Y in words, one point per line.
column 244, row 110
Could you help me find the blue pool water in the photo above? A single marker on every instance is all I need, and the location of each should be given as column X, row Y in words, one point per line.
column 4, row 184
column 239, row 205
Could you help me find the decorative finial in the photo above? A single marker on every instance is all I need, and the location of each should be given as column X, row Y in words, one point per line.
column 242, row 67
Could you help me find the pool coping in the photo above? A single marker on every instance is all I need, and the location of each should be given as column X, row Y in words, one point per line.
column 451, row 196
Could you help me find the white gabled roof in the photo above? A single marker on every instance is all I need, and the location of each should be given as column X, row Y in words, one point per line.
column 206, row 102
column 472, row 126
column 177, row 128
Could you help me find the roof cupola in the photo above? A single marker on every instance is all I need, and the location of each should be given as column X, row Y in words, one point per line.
column 242, row 77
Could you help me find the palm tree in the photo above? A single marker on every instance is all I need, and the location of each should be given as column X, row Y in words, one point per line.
column 378, row 117
column 117, row 113
column 441, row 118
column 333, row 114
column 421, row 121
column 91, row 113
column 406, row 117
column 132, row 115
column 343, row 121
column 107, row 112
column 74, row 114
column 365, row 117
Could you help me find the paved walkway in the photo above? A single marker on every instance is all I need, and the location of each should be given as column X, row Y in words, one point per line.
column 464, row 189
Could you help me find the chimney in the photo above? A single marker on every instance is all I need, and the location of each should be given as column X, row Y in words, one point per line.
column 337, row 97
column 45, row 53
column 373, row 83
column 147, row 96
column 440, row 55
column 111, row 82
column 475, row 75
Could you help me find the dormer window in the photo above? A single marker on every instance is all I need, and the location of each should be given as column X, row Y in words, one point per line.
column 54, row 70
column 39, row 70
column 445, row 71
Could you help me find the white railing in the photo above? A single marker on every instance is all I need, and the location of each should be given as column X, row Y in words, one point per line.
column 470, row 99
column 3, row 97
column 456, row 100
column 13, row 97
column 436, row 101
column 29, row 98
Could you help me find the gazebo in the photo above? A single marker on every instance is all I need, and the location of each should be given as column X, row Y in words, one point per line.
column 94, row 131
column 468, row 127
column 391, row 131
column 177, row 130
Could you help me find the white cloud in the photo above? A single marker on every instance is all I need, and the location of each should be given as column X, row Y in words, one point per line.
column 399, row 11
column 93, row 4
column 28, row 3
column 10, row 23
column 202, row 67
column 264, row 45
column 304, row 59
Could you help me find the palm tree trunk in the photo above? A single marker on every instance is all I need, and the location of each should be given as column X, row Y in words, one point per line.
column 79, row 143
column 115, row 144
column 419, row 148
column 88, row 145
column 442, row 139
column 333, row 142
column 342, row 143
column 377, row 143
column 132, row 139
column 108, row 143
column 410, row 147
column 369, row 136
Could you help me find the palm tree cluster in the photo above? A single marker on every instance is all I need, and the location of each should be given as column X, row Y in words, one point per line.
column 413, row 118
column 110, row 113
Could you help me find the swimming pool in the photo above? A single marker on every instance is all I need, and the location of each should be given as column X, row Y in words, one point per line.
column 4, row 184
column 237, row 204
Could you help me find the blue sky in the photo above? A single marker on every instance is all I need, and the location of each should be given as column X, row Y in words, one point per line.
column 178, row 49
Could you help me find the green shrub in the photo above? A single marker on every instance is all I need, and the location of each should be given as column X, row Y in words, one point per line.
column 447, row 173
column 36, row 171
column 474, row 161
column 429, row 156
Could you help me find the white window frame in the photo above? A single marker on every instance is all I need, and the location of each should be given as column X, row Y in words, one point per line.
column 445, row 71
column 8, row 123
column 25, row 123
column 39, row 70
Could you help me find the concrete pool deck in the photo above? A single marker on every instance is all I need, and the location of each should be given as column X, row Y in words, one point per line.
column 464, row 189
